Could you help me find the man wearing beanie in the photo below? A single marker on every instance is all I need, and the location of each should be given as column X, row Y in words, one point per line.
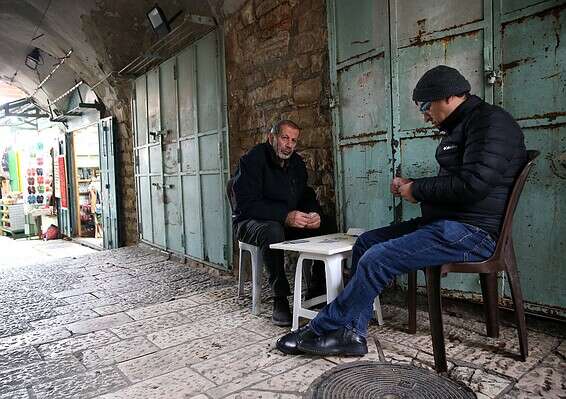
column 480, row 155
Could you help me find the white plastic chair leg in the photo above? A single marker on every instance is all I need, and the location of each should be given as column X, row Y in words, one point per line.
column 377, row 314
column 297, row 299
column 240, row 275
column 257, row 265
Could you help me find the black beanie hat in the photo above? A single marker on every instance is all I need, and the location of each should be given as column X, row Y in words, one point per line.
column 440, row 82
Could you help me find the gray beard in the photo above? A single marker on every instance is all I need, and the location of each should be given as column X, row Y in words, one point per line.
column 279, row 154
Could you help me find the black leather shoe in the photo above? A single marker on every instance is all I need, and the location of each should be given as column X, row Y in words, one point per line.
column 342, row 342
column 288, row 342
column 281, row 313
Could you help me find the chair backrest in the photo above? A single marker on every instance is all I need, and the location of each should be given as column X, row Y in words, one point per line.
column 230, row 193
column 507, row 230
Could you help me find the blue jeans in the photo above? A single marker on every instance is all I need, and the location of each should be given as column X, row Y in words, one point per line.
column 380, row 255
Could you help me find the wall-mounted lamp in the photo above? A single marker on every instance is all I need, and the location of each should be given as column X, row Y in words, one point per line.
column 159, row 21
column 34, row 59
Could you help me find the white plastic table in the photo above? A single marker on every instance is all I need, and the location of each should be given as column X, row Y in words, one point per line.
column 331, row 249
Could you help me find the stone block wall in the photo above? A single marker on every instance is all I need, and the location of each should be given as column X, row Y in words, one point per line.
column 277, row 67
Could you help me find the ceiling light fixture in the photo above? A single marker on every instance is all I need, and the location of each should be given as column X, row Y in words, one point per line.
column 34, row 59
column 159, row 22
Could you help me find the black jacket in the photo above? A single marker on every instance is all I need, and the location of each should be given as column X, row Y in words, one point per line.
column 264, row 190
column 480, row 156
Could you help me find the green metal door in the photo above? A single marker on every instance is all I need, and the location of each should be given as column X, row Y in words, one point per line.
column 108, row 179
column 510, row 51
column 531, row 85
column 425, row 34
column 181, row 154
column 359, row 53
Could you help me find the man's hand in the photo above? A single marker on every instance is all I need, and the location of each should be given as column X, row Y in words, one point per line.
column 396, row 183
column 314, row 222
column 297, row 219
column 406, row 192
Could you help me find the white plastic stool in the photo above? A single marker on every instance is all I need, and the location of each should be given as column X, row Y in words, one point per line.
column 334, row 284
column 257, row 266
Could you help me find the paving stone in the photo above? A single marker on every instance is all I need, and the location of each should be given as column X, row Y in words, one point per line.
column 215, row 309
column 547, row 380
column 186, row 332
column 505, row 361
column 237, row 385
column 161, row 308
column 19, row 394
column 34, row 337
column 248, row 394
column 80, row 298
column 64, row 319
column 114, row 308
column 99, row 323
column 11, row 324
column 76, row 307
column 184, row 355
column 75, row 292
column 299, row 378
column 84, row 385
column 480, row 381
column 178, row 384
column 148, row 326
column 39, row 372
column 117, row 352
column 241, row 362
column 290, row 363
column 77, row 343
column 18, row 357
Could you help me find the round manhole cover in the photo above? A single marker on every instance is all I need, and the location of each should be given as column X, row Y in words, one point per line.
column 368, row 380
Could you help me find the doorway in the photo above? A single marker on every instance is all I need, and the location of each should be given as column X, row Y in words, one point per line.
column 87, row 186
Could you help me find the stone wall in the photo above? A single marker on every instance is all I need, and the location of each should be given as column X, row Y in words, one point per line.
column 277, row 67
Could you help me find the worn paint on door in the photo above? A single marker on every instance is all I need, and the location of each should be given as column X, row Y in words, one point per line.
column 379, row 49
column 181, row 155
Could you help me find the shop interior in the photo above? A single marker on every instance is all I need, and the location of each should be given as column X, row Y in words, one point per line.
column 26, row 174
column 87, row 185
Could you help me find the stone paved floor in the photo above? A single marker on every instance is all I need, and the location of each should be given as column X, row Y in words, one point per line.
column 130, row 323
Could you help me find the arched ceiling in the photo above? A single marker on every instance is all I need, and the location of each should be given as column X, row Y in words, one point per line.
column 103, row 35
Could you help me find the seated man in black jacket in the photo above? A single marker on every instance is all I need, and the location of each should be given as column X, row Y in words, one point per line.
column 480, row 155
column 274, row 204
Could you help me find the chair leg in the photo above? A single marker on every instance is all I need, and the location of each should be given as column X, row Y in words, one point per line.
column 517, row 294
column 297, row 294
column 412, row 302
column 256, row 282
column 377, row 313
column 240, row 276
column 435, row 317
column 490, row 302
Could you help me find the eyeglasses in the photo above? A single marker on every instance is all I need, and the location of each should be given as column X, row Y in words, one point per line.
column 424, row 106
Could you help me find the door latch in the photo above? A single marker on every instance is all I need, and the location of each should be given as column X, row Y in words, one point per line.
column 493, row 77
column 161, row 133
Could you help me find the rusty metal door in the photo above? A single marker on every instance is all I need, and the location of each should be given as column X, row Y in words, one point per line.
column 181, row 154
column 425, row 34
column 359, row 54
column 531, row 85
column 511, row 52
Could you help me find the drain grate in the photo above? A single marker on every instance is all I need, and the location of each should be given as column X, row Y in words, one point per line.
column 369, row 380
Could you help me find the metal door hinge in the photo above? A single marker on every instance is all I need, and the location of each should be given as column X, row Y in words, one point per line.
column 178, row 155
column 220, row 149
column 225, row 250
column 175, row 72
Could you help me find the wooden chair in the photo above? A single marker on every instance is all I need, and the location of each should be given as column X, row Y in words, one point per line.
column 503, row 259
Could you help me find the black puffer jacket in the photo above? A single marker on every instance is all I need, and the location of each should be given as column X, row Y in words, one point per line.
column 264, row 190
column 480, row 157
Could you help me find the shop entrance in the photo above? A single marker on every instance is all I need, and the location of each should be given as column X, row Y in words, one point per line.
column 86, row 185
